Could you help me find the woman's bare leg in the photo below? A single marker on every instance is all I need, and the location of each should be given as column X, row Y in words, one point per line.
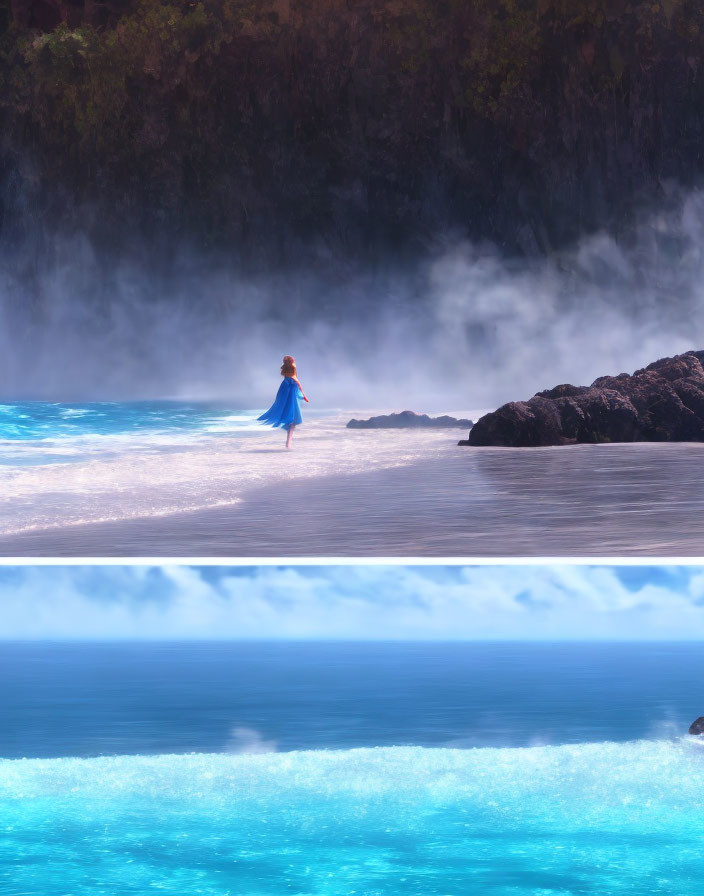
column 290, row 435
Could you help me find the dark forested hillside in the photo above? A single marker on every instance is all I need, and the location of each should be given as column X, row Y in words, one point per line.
column 357, row 125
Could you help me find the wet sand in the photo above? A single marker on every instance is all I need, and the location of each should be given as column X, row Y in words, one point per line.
column 149, row 478
column 588, row 500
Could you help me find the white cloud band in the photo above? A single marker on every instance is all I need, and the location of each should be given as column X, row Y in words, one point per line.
column 358, row 602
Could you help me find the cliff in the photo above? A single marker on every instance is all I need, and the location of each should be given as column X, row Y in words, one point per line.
column 358, row 126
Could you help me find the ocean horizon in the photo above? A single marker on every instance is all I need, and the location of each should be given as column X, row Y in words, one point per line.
column 126, row 697
column 350, row 768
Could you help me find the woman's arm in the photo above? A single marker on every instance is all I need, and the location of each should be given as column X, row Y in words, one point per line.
column 296, row 380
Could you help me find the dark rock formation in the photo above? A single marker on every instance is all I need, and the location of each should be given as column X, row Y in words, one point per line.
column 408, row 420
column 664, row 402
column 697, row 727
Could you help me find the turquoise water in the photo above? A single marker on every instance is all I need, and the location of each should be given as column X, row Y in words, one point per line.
column 595, row 818
column 260, row 769
column 34, row 420
column 68, row 464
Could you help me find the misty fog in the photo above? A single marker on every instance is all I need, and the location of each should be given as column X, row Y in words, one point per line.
column 461, row 328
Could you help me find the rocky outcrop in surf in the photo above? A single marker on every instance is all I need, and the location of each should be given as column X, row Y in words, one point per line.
column 409, row 420
column 663, row 402
column 697, row 726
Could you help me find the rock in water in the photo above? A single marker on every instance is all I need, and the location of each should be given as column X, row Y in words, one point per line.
column 408, row 420
column 663, row 402
column 697, row 727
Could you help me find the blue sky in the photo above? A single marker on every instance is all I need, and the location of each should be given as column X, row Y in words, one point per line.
column 352, row 602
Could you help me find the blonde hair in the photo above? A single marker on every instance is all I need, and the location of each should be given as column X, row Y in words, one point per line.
column 288, row 368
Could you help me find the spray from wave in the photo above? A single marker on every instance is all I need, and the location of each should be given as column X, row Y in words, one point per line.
column 245, row 740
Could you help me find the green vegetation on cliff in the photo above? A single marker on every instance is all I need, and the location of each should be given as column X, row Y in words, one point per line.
column 358, row 122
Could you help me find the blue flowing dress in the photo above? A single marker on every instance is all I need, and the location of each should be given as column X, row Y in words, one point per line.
column 285, row 411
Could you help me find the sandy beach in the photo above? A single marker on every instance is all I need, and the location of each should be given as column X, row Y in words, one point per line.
column 367, row 494
column 149, row 477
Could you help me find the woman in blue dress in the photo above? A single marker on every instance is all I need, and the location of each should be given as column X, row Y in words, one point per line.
column 285, row 410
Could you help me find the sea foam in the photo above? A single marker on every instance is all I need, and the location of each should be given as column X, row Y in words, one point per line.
column 607, row 774
column 148, row 465
column 597, row 818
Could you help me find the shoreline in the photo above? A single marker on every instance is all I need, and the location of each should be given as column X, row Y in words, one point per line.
column 153, row 481
column 639, row 499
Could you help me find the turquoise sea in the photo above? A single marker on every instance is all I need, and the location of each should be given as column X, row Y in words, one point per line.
column 32, row 421
column 67, row 464
column 253, row 769
column 592, row 818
